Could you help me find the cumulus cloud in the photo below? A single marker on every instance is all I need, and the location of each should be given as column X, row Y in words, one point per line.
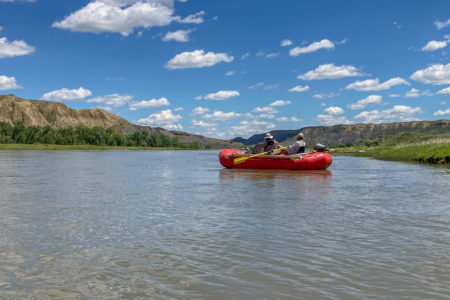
column 323, row 44
column 286, row 119
column 267, row 55
column 197, row 59
column 375, row 85
column 164, row 118
column 334, row 110
column 248, row 128
column 220, row 116
column 285, row 43
column 435, row 74
column 229, row 73
column 149, row 103
column 439, row 25
column 266, row 110
column 434, row 45
column 199, row 110
column 179, row 36
column 8, row 83
column 66, row 94
column 330, row 71
column 325, row 95
column 245, row 55
column 280, row 103
column 113, row 100
column 414, row 93
column 442, row 112
column 201, row 123
column 370, row 100
column 220, row 95
column 444, row 91
column 299, row 88
column 399, row 113
column 14, row 48
column 120, row 16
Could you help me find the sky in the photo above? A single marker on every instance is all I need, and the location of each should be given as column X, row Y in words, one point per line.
column 232, row 68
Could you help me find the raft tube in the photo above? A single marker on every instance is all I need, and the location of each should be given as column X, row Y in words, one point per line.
column 307, row 161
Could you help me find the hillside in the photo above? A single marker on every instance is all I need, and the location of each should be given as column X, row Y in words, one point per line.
column 58, row 115
column 342, row 134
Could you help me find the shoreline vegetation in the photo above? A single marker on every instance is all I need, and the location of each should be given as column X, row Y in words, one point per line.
column 21, row 137
column 405, row 147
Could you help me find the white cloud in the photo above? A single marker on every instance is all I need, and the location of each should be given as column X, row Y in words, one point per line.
column 330, row 71
column 197, row 59
column 113, row 100
column 1, row 28
column 414, row 93
column 199, row 110
column 435, row 74
column 323, row 44
column 299, row 88
column 248, row 128
column 245, row 55
column 285, row 43
column 394, row 95
column 120, row 16
column 220, row 116
column 370, row 100
column 440, row 25
column 399, row 113
column 375, row 85
column 442, row 112
column 267, row 55
column 178, row 109
column 266, row 110
column 179, row 36
column 149, row 103
column 434, row 45
column 229, row 73
column 330, row 120
column 286, row 119
column 196, row 18
column 18, row 1
column 220, row 95
column 164, row 118
column 325, row 95
column 280, row 103
column 14, row 48
column 444, row 91
column 8, row 83
column 66, row 94
column 334, row 110
column 201, row 123
column 257, row 85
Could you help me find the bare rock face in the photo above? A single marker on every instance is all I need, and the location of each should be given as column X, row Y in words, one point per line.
column 58, row 115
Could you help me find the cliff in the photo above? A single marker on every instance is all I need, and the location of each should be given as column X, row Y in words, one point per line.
column 58, row 115
column 341, row 134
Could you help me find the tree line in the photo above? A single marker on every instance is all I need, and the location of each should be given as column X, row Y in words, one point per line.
column 18, row 133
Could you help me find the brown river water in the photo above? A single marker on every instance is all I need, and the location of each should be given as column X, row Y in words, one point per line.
column 176, row 225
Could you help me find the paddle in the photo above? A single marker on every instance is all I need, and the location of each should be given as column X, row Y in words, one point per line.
column 244, row 158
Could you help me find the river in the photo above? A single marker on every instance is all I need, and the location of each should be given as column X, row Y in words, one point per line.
column 176, row 225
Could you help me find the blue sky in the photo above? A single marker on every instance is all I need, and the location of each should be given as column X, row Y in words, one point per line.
column 232, row 68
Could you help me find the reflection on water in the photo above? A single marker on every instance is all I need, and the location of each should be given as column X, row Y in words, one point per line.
column 146, row 224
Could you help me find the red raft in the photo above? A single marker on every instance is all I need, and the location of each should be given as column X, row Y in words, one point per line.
column 307, row 161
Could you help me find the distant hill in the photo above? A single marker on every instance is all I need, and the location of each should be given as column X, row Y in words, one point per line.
column 58, row 115
column 342, row 134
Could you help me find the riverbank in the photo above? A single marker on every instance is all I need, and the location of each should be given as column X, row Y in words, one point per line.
column 435, row 151
column 77, row 147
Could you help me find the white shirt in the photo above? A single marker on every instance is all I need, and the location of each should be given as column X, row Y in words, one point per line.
column 293, row 149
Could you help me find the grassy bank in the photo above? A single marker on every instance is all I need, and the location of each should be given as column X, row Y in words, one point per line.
column 76, row 147
column 433, row 151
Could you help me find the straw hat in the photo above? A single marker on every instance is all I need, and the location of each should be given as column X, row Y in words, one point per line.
column 300, row 135
column 268, row 136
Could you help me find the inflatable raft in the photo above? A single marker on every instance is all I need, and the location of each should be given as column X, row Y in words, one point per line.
column 307, row 161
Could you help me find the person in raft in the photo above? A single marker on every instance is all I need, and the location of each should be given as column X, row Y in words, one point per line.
column 297, row 147
column 268, row 145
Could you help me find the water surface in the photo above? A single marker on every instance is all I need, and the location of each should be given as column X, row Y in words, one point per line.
column 176, row 225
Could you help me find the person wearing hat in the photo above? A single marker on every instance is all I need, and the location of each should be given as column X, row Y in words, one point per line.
column 268, row 145
column 297, row 147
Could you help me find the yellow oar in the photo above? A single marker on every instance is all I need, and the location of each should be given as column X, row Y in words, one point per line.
column 244, row 158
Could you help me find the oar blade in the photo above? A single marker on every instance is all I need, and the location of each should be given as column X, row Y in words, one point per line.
column 240, row 159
